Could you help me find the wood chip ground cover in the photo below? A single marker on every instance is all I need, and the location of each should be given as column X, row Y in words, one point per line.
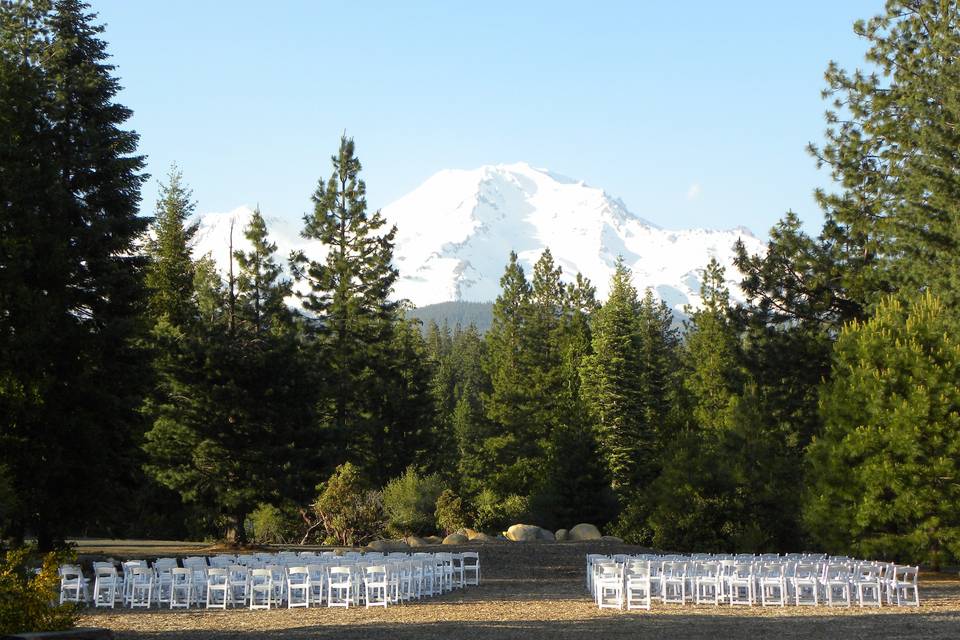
column 536, row 590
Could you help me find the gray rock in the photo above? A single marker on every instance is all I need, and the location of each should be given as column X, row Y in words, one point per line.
column 482, row 537
column 585, row 531
column 456, row 538
column 561, row 535
column 523, row 533
column 386, row 546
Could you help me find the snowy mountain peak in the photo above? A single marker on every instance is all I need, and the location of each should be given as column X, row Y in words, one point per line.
column 455, row 233
column 456, row 230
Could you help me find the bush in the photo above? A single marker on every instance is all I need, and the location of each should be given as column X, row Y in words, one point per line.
column 350, row 513
column 410, row 503
column 271, row 525
column 26, row 598
column 495, row 514
column 449, row 513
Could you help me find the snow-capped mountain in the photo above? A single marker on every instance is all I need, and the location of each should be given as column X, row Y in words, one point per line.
column 456, row 230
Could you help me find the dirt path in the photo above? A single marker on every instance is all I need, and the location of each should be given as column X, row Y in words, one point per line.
column 538, row 591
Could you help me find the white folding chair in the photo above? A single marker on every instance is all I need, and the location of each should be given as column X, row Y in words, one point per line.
column 261, row 589
column 868, row 584
column 609, row 585
column 740, row 584
column 318, row 583
column 339, row 587
column 141, row 587
column 905, row 587
column 836, row 582
column 773, row 584
column 105, row 586
column 298, row 587
column 181, row 588
column 471, row 568
column 73, row 586
column 806, row 585
column 638, row 584
column 218, row 588
column 375, row 586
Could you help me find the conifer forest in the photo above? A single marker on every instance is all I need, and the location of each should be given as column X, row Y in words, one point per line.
column 146, row 393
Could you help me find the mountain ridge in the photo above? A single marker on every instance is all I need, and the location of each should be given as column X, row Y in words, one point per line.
column 457, row 229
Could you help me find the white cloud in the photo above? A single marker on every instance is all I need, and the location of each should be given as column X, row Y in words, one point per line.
column 693, row 193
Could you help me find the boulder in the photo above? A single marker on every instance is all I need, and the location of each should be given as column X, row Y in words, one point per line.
column 470, row 533
column 482, row 537
column 434, row 540
column 386, row 546
column 561, row 535
column 585, row 531
column 547, row 535
column 414, row 541
column 455, row 538
column 523, row 533
column 612, row 539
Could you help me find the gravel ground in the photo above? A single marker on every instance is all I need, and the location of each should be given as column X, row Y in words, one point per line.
column 537, row 590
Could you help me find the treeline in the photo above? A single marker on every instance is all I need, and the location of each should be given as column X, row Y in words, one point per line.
column 145, row 393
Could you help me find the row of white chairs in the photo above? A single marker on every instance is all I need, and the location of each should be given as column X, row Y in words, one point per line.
column 768, row 580
column 265, row 581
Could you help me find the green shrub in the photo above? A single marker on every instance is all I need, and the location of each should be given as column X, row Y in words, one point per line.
column 410, row 503
column 27, row 598
column 496, row 514
column 272, row 525
column 449, row 513
column 349, row 513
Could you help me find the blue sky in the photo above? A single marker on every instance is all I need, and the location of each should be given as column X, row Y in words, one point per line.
column 695, row 113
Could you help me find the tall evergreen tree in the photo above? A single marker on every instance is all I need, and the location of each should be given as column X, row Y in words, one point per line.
column 891, row 223
column 356, row 324
column 408, row 410
column 261, row 290
column 170, row 269
column 695, row 499
column 233, row 417
column 881, row 476
column 514, row 453
column 469, row 425
column 610, row 376
column 70, row 193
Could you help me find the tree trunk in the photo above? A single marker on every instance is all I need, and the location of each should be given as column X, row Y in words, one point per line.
column 241, row 530
column 44, row 538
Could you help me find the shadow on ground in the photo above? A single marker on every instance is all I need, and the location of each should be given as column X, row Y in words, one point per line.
column 627, row 625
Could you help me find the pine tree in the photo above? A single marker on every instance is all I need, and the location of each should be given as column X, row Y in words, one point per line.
column 712, row 351
column 695, row 500
column 349, row 299
column 514, row 453
column 233, row 415
column 407, row 408
column 609, row 377
column 469, row 425
column 261, row 290
column 170, row 270
column 443, row 380
column 881, row 474
column 70, row 187
column 891, row 221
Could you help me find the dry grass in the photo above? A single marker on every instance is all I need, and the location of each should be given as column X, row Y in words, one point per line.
column 537, row 590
